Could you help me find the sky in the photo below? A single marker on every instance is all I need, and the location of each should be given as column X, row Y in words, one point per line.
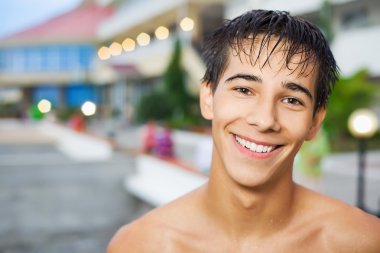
column 18, row 15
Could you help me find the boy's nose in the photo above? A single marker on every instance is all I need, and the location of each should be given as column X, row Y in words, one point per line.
column 264, row 118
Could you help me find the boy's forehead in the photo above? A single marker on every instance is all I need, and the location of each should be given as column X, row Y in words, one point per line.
column 263, row 51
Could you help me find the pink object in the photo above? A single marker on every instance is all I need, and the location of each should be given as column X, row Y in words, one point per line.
column 149, row 138
column 164, row 143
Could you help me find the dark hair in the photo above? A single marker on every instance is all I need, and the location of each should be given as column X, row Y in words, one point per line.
column 296, row 35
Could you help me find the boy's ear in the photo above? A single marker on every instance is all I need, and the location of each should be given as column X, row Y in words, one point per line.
column 206, row 101
column 317, row 122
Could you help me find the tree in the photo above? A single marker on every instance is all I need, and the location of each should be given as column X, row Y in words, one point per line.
column 325, row 20
column 174, row 83
column 350, row 93
column 154, row 106
column 172, row 103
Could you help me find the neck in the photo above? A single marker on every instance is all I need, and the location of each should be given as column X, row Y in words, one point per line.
column 250, row 211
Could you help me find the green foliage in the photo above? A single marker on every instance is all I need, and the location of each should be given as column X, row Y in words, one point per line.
column 9, row 110
column 154, row 106
column 173, row 104
column 350, row 93
column 65, row 113
column 325, row 20
column 34, row 113
column 174, row 82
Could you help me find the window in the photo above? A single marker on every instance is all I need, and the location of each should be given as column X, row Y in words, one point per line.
column 18, row 60
column 33, row 59
column 52, row 58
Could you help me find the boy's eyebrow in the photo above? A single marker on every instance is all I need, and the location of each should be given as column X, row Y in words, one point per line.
column 299, row 88
column 288, row 85
column 248, row 77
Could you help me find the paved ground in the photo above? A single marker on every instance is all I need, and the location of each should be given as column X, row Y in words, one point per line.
column 49, row 203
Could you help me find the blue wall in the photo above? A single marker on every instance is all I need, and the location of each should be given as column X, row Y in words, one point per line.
column 75, row 94
column 78, row 94
column 50, row 93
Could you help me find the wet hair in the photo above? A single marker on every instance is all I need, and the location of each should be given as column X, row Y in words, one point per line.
column 292, row 35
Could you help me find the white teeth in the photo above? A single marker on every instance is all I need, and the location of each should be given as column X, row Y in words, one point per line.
column 253, row 146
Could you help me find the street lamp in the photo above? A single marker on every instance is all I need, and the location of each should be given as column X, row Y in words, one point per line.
column 363, row 124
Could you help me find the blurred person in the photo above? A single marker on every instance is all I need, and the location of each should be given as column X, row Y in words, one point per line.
column 149, row 137
column 164, row 143
column 267, row 83
column 77, row 122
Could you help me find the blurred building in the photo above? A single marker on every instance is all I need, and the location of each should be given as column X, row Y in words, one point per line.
column 53, row 61
column 354, row 26
column 138, row 41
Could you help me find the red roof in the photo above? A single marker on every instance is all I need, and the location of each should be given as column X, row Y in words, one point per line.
column 79, row 24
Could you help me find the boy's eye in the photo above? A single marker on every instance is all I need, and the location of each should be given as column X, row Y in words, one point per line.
column 243, row 90
column 292, row 101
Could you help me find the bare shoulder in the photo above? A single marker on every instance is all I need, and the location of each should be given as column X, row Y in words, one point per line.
column 141, row 235
column 345, row 228
column 354, row 229
column 125, row 240
column 157, row 231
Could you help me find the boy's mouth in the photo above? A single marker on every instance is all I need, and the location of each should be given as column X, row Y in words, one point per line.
column 254, row 147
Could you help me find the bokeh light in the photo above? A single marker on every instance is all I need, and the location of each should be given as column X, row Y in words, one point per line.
column 128, row 45
column 88, row 108
column 162, row 33
column 104, row 53
column 143, row 39
column 44, row 106
column 363, row 123
column 116, row 49
column 187, row 24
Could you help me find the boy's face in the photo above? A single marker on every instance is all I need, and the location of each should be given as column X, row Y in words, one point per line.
column 260, row 117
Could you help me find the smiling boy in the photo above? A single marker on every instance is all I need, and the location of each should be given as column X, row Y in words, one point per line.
column 266, row 87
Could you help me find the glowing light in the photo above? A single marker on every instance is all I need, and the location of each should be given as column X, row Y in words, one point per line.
column 363, row 123
column 116, row 49
column 143, row 39
column 128, row 45
column 104, row 53
column 44, row 106
column 162, row 33
column 88, row 108
column 187, row 24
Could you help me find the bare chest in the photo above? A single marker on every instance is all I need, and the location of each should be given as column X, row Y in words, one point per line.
column 303, row 243
column 225, row 247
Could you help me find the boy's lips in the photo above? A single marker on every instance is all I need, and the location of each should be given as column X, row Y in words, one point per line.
column 255, row 146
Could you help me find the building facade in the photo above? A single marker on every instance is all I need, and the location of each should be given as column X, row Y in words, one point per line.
column 138, row 41
column 53, row 61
